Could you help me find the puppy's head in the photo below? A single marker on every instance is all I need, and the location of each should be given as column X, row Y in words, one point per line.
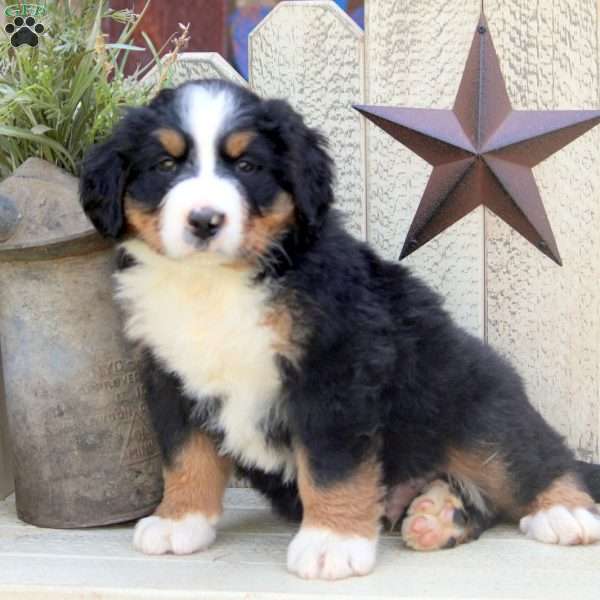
column 209, row 167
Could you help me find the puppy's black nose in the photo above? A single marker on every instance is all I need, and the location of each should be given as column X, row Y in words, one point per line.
column 205, row 222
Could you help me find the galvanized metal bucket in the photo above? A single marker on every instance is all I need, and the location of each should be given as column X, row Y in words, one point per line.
column 84, row 450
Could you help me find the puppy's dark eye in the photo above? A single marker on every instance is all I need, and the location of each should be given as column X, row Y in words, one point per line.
column 167, row 164
column 245, row 166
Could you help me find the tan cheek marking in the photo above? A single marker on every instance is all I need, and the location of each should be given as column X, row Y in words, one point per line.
column 236, row 143
column 263, row 230
column 144, row 224
column 351, row 507
column 487, row 471
column 196, row 480
column 565, row 491
column 172, row 141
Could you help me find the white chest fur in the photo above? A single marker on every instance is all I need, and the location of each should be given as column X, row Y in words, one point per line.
column 206, row 322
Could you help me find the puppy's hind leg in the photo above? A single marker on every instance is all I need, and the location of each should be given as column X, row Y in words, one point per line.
column 564, row 513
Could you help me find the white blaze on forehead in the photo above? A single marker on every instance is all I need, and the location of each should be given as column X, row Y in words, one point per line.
column 205, row 111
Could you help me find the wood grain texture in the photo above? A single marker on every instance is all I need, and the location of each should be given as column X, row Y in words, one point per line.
column 311, row 53
column 543, row 317
column 415, row 55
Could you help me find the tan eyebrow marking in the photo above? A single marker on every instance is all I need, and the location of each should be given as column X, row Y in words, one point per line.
column 172, row 141
column 236, row 143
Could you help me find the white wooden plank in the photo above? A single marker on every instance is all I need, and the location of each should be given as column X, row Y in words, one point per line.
column 311, row 53
column 415, row 55
column 544, row 317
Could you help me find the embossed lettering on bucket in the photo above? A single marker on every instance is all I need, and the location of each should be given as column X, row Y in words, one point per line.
column 84, row 449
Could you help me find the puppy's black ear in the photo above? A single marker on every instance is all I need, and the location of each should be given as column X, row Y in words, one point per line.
column 308, row 163
column 101, row 188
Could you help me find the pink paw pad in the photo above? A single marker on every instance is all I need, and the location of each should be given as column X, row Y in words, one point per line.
column 430, row 523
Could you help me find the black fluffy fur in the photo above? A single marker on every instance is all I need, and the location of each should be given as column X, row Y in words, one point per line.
column 384, row 369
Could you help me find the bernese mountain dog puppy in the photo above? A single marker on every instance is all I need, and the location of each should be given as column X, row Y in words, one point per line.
column 276, row 344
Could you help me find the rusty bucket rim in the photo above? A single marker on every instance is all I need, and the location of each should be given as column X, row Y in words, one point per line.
column 77, row 244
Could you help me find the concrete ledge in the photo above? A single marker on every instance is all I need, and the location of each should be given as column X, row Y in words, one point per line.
column 248, row 562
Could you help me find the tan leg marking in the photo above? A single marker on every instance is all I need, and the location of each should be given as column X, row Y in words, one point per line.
column 339, row 532
column 237, row 143
column 192, row 501
column 196, row 481
column 143, row 224
column 566, row 491
column 172, row 141
column 351, row 507
column 430, row 524
column 483, row 471
column 264, row 230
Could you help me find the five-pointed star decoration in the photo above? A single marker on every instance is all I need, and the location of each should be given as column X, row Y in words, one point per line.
column 482, row 151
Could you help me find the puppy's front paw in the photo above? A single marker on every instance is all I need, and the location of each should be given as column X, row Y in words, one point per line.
column 157, row 535
column 322, row 554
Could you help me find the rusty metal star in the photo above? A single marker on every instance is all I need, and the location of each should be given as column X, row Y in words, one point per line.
column 482, row 151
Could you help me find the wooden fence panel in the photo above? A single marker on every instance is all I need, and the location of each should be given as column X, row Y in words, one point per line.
column 544, row 317
column 311, row 53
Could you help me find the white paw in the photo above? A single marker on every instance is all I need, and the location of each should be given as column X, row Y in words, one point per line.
column 155, row 535
column 322, row 554
column 561, row 525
